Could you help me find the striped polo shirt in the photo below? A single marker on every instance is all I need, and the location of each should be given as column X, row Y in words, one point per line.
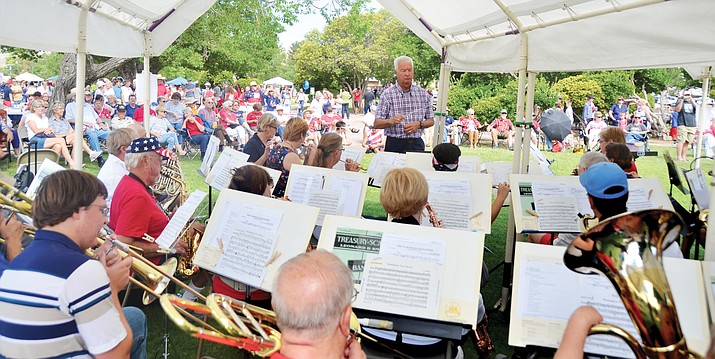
column 55, row 302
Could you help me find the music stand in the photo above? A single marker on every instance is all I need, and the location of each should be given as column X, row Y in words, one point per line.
column 674, row 175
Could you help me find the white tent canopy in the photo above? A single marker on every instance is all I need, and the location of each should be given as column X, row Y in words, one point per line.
column 115, row 28
column 563, row 35
column 26, row 76
column 278, row 81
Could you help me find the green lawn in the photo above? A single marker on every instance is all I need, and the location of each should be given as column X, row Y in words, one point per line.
column 183, row 346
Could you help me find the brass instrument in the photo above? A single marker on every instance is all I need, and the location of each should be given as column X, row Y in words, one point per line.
column 171, row 183
column 433, row 217
column 628, row 249
column 587, row 219
column 703, row 217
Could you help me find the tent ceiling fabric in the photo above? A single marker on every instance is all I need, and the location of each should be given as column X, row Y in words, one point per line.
column 115, row 28
column 659, row 34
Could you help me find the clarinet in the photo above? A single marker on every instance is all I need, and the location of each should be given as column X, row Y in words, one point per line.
column 436, row 222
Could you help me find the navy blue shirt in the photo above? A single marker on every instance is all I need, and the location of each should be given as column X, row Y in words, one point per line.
column 255, row 148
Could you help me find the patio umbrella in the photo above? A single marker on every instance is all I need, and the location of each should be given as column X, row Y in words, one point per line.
column 28, row 77
column 555, row 124
column 178, row 81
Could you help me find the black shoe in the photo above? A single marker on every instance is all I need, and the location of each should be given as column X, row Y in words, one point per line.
column 100, row 161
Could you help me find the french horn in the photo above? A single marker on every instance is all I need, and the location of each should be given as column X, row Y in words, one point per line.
column 628, row 250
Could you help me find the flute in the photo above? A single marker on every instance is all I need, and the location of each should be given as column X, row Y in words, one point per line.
column 360, row 168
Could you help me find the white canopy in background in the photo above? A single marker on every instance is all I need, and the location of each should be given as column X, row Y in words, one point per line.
column 479, row 36
column 278, row 81
column 115, row 28
column 26, row 76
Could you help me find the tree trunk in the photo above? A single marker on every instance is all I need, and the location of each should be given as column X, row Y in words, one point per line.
column 68, row 74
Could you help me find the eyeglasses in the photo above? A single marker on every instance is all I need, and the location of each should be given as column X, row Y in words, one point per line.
column 355, row 294
column 104, row 209
column 599, row 116
column 161, row 111
column 342, row 148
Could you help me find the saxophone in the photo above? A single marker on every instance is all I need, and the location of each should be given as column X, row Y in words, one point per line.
column 170, row 189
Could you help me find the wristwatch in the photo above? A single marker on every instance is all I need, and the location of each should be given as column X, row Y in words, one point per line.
column 422, row 125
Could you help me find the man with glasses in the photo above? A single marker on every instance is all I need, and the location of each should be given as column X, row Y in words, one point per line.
column 311, row 297
column 55, row 301
column 687, row 123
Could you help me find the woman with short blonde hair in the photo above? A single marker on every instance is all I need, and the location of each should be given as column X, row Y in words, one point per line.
column 404, row 195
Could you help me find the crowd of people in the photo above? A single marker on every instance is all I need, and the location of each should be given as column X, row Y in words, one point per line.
column 78, row 304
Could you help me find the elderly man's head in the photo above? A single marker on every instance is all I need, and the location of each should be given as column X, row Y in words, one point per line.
column 312, row 295
column 144, row 158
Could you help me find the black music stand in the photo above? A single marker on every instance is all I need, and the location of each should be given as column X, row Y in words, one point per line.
column 674, row 175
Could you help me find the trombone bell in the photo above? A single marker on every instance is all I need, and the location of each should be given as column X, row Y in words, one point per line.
column 154, row 279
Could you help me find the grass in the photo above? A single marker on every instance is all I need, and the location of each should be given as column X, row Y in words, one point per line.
column 184, row 346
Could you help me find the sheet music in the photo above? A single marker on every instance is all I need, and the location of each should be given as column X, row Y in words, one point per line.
column 246, row 252
column 468, row 164
column 400, row 286
column 382, row 163
column 350, row 190
column 500, row 172
column 556, row 207
column 442, row 186
column 47, row 168
column 302, row 184
column 699, row 186
column 220, row 174
column 543, row 294
column 329, row 202
column 170, row 235
column 209, row 156
column 639, row 199
column 413, row 248
column 453, row 210
column 353, row 153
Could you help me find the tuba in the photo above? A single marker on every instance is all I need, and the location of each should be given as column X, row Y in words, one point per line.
column 627, row 249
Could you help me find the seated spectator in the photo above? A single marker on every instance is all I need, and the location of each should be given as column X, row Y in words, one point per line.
column 63, row 129
column 160, row 128
column 623, row 121
column 502, row 127
column 253, row 116
column 131, row 105
column 636, row 131
column 471, row 125
column 330, row 118
column 620, row 154
column 175, row 111
column 10, row 133
column 121, row 120
column 593, row 130
column 195, row 130
column 229, row 121
column 342, row 130
column 315, row 127
column 375, row 141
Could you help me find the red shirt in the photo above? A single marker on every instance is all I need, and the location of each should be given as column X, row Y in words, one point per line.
column 193, row 128
column 104, row 115
column 161, row 90
column 228, row 115
column 252, row 118
column 139, row 114
column 329, row 120
column 134, row 210
column 356, row 95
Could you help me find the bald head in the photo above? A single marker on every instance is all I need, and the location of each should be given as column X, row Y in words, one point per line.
column 311, row 292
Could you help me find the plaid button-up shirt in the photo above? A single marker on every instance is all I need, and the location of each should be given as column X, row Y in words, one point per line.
column 415, row 105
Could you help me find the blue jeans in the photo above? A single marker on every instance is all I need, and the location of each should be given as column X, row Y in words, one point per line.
column 93, row 137
column 170, row 140
column 346, row 110
column 177, row 127
column 301, row 103
column 202, row 140
column 280, row 130
column 634, row 137
column 137, row 322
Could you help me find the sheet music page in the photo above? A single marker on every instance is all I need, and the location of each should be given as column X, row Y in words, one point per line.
column 468, row 164
column 413, row 248
column 500, row 172
column 265, row 219
column 545, row 299
column 47, row 168
column 581, row 196
column 453, row 210
column 400, row 286
column 302, row 184
column 353, row 153
column 350, row 190
column 450, row 186
column 699, row 187
column 639, row 198
column 556, row 207
column 170, row 235
column 379, row 162
column 220, row 174
column 352, row 247
column 329, row 202
column 246, row 252
column 209, row 156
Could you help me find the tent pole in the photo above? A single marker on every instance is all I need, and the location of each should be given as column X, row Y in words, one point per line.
column 80, row 79
column 528, row 111
column 147, row 95
column 441, row 114
column 515, row 168
column 703, row 118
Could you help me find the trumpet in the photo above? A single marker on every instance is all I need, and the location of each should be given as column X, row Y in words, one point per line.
column 628, row 249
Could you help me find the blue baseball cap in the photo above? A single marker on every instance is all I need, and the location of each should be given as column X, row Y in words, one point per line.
column 604, row 180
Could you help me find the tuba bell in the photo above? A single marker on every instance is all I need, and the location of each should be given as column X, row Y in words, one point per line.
column 628, row 250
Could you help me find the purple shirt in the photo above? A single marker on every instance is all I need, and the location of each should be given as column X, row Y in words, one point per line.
column 415, row 105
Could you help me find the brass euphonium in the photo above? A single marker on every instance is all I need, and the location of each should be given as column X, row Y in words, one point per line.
column 628, row 249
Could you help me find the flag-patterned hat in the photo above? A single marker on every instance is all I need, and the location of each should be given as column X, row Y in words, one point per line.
column 141, row 145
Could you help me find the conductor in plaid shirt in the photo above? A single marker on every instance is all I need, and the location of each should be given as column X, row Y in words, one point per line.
column 404, row 111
